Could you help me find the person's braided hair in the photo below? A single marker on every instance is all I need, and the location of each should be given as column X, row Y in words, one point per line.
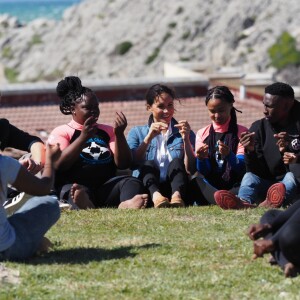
column 70, row 91
column 223, row 93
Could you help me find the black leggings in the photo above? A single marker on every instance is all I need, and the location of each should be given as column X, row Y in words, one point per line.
column 205, row 191
column 285, row 234
column 176, row 180
column 112, row 192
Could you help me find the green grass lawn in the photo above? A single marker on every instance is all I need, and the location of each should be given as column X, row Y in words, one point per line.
column 192, row 253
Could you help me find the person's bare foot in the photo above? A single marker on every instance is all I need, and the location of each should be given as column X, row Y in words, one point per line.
column 80, row 196
column 138, row 201
column 44, row 246
column 290, row 270
column 261, row 247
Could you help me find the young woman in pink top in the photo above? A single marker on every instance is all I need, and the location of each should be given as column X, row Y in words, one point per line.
column 220, row 156
column 91, row 154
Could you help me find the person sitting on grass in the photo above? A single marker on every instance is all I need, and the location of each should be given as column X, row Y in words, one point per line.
column 281, row 237
column 220, row 155
column 272, row 148
column 162, row 150
column 13, row 137
column 91, row 154
column 22, row 234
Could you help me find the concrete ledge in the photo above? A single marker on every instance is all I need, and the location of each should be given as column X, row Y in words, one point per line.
column 106, row 90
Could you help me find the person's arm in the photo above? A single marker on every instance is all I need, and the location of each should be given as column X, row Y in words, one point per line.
column 38, row 153
column 122, row 155
column 139, row 147
column 188, row 138
column 71, row 152
column 19, row 139
column 30, row 184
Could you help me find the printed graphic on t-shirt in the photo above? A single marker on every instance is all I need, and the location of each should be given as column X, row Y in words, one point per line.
column 295, row 143
column 96, row 152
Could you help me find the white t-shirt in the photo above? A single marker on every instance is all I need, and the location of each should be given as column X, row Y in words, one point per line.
column 163, row 156
column 9, row 169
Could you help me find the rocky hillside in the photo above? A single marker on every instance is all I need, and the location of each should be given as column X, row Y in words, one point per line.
column 123, row 38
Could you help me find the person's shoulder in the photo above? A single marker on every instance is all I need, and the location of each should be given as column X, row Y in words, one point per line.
column 202, row 130
column 4, row 122
column 257, row 124
column 242, row 128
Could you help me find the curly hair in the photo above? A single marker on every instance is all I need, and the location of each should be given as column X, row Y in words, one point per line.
column 70, row 91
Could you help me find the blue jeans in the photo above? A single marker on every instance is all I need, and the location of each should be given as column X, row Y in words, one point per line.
column 31, row 222
column 254, row 189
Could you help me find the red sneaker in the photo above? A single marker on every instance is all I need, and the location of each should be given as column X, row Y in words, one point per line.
column 275, row 196
column 227, row 200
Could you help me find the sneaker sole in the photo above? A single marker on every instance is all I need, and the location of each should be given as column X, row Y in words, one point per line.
column 17, row 203
column 276, row 195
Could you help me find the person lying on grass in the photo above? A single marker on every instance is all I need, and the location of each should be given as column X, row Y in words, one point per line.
column 22, row 234
column 281, row 237
column 91, row 153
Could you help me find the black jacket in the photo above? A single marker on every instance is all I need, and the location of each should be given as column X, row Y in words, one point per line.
column 11, row 136
column 266, row 161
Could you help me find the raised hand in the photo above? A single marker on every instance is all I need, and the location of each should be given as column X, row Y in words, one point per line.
column 223, row 149
column 155, row 129
column 89, row 128
column 247, row 140
column 53, row 152
column 184, row 129
column 289, row 158
column 202, row 152
column 282, row 140
column 120, row 123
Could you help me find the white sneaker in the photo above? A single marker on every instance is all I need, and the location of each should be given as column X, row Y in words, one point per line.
column 12, row 205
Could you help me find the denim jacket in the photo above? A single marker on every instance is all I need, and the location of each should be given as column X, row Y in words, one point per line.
column 137, row 135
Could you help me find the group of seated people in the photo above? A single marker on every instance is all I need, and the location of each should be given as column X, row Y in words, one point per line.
column 224, row 164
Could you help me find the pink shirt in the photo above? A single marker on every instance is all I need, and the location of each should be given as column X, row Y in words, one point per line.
column 203, row 133
column 64, row 133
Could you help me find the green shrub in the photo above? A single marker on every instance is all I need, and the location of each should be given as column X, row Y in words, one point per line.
column 186, row 35
column 153, row 56
column 284, row 52
column 166, row 37
column 36, row 39
column 123, row 47
column 7, row 52
column 172, row 25
column 179, row 10
column 11, row 75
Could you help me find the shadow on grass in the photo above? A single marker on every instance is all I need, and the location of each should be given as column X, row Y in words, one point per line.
column 86, row 255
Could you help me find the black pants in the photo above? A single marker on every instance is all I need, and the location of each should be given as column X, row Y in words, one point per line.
column 285, row 234
column 205, row 191
column 176, row 180
column 112, row 192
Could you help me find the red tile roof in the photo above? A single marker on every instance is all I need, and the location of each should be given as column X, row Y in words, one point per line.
column 41, row 119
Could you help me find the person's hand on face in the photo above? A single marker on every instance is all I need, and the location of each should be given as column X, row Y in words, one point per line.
column 184, row 129
column 89, row 128
column 120, row 123
column 247, row 140
column 202, row 152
